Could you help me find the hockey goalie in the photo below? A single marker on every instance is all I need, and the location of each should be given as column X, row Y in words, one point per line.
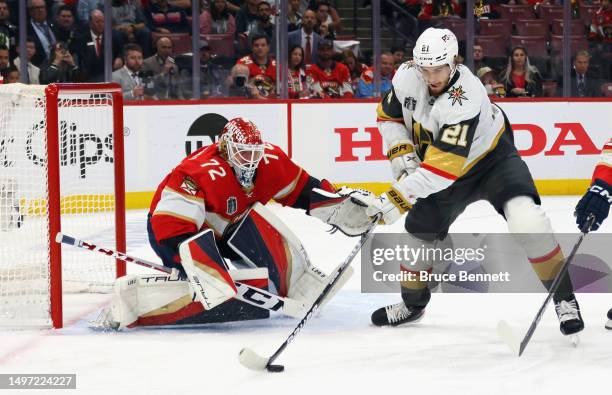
column 208, row 212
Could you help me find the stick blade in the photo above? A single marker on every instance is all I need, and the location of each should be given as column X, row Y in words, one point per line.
column 507, row 335
column 251, row 360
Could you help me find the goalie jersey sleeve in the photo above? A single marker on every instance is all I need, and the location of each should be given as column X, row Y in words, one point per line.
column 450, row 133
column 203, row 192
column 603, row 170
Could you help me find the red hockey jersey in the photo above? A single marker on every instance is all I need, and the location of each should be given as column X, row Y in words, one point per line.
column 332, row 82
column 603, row 170
column 263, row 76
column 203, row 192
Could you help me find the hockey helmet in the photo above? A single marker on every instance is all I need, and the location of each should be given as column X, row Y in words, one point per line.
column 241, row 143
column 436, row 47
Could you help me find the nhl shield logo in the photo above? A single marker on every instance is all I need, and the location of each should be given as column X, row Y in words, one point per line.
column 232, row 205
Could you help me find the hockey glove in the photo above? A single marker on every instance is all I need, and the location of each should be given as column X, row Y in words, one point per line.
column 344, row 210
column 596, row 201
column 390, row 206
column 403, row 159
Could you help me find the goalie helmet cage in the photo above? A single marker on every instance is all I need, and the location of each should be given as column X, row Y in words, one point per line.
column 61, row 169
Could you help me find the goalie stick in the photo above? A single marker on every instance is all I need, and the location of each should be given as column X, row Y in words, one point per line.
column 505, row 332
column 246, row 293
column 251, row 360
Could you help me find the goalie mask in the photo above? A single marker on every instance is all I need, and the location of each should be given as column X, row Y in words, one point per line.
column 243, row 147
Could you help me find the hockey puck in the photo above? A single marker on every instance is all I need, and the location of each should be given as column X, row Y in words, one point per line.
column 275, row 368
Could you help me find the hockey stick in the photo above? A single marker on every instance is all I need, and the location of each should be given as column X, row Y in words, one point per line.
column 246, row 293
column 250, row 359
column 505, row 332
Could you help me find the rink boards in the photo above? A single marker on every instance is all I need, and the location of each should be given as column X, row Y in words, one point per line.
column 338, row 140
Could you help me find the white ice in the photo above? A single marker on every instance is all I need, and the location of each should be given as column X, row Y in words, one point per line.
column 453, row 350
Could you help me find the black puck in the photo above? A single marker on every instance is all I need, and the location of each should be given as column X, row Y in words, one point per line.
column 275, row 368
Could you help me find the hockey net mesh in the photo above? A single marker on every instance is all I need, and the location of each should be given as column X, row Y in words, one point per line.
column 87, row 198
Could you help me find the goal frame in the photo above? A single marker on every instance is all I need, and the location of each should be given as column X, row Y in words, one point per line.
column 52, row 94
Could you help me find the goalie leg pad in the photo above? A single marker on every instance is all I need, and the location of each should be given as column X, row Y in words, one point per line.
column 311, row 283
column 157, row 300
column 263, row 240
column 206, row 270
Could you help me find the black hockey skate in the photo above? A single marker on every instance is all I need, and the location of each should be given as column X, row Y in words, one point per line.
column 609, row 323
column 397, row 314
column 570, row 320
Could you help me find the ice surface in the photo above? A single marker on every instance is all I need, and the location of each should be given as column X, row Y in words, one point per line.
column 454, row 349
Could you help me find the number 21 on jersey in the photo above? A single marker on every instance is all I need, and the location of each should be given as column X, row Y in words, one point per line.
column 455, row 135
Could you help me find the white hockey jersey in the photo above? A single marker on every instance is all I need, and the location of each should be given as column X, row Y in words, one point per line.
column 450, row 133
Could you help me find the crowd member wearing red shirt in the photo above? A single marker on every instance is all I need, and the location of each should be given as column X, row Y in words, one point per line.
column 262, row 69
column 328, row 78
column 601, row 24
column 520, row 78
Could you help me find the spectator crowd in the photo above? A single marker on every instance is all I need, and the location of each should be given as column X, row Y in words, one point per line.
column 152, row 59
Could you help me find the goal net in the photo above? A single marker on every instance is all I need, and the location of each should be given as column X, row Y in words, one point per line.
column 61, row 168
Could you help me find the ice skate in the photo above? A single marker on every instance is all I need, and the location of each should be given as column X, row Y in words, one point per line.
column 397, row 314
column 570, row 320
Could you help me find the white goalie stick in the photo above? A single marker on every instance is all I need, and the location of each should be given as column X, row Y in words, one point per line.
column 246, row 293
column 504, row 330
column 251, row 360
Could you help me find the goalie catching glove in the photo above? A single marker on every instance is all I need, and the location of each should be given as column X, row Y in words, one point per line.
column 344, row 210
column 404, row 160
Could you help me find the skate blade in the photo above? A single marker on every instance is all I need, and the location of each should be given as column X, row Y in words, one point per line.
column 507, row 335
column 575, row 339
column 609, row 324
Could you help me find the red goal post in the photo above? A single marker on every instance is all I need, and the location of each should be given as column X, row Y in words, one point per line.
column 53, row 92
column 61, row 169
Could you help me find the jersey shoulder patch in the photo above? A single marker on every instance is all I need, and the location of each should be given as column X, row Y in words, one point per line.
column 461, row 101
column 405, row 82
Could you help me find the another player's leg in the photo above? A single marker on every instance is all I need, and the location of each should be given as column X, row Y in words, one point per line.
column 415, row 293
column 427, row 225
column 532, row 230
column 609, row 323
column 511, row 190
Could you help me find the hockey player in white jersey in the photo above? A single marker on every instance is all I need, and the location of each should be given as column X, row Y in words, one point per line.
column 598, row 198
column 450, row 146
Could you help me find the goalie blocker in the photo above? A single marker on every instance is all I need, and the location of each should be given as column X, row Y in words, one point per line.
column 266, row 254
